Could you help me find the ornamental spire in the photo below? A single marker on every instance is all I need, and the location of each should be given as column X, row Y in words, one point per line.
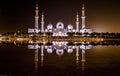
column 36, row 19
column 83, row 16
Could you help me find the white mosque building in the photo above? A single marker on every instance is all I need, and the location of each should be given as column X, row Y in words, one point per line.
column 60, row 30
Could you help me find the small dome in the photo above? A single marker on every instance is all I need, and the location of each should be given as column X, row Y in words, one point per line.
column 70, row 26
column 50, row 26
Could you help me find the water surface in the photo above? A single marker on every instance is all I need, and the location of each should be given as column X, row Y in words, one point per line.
column 97, row 61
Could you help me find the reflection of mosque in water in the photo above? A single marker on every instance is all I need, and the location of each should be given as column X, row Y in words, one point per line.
column 59, row 48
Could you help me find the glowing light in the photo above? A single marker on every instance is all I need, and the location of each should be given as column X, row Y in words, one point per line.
column 59, row 51
column 30, row 41
column 20, row 39
column 70, row 50
column 33, row 46
column 60, row 32
column 59, row 45
column 49, row 51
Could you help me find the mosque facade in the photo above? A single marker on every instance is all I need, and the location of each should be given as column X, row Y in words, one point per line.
column 60, row 30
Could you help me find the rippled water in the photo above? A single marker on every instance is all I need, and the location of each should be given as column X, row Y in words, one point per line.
column 21, row 61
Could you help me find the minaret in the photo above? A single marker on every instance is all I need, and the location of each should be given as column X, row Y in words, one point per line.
column 77, row 22
column 36, row 19
column 83, row 17
column 42, row 23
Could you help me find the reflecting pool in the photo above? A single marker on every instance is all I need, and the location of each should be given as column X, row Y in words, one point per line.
column 59, row 59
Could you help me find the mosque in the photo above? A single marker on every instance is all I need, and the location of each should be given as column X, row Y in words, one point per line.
column 60, row 30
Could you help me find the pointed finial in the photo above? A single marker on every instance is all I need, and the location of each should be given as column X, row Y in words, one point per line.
column 36, row 10
column 77, row 13
column 36, row 6
column 83, row 10
column 42, row 13
column 83, row 6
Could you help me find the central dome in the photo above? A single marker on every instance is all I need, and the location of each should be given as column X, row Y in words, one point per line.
column 60, row 25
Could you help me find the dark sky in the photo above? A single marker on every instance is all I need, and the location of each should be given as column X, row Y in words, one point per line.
column 101, row 15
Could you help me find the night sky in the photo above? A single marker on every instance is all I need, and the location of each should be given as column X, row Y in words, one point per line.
column 101, row 15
